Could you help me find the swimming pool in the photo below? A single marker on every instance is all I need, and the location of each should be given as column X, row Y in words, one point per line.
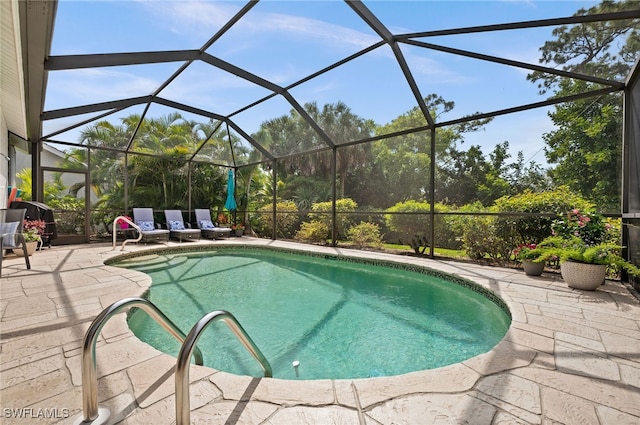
column 338, row 317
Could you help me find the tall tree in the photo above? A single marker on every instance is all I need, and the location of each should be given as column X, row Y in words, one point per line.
column 587, row 143
column 342, row 126
column 290, row 134
column 159, row 171
column 470, row 176
column 402, row 162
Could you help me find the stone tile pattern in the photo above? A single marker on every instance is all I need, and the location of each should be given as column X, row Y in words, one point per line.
column 570, row 357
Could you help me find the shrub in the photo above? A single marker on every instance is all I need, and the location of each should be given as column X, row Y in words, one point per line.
column 313, row 231
column 286, row 219
column 321, row 211
column 448, row 231
column 365, row 235
column 411, row 221
column 590, row 228
column 373, row 216
column 481, row 240
column 534, row 229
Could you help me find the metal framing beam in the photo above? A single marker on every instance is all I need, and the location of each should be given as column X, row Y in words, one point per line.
column 632, row 14
column 58, row 63
column 517, row 64
column 371, row 20
column 36, row 29
column 95, row 107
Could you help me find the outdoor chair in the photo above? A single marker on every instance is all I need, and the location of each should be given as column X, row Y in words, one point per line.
column 143, row 218
column 11, row 237
column 177, row 227
column 209, row 229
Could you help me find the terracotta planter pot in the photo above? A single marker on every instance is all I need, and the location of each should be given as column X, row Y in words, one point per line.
column 531, row 268
column 583, row 276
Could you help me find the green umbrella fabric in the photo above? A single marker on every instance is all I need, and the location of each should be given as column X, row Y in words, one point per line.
column 230, row 203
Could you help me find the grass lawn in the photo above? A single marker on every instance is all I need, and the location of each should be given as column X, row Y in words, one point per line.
column 440, row 252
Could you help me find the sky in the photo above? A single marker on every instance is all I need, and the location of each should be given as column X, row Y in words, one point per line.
column 285, row 41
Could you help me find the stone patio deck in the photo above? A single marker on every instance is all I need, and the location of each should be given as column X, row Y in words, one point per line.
column 570, row 357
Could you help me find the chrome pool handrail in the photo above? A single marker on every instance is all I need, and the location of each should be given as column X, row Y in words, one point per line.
column 130, row 223
column 89, row 374
column 183, row 406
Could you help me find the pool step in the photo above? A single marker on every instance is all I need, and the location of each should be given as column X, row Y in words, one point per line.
column 152, row 263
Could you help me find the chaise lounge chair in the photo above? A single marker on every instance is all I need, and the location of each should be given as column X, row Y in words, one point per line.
column 177, row 228
column 143, row 217
column 210, row 230
column 11, row 222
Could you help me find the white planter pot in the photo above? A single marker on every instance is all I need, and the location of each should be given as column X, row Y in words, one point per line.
column 31, row 248
column 583, row 276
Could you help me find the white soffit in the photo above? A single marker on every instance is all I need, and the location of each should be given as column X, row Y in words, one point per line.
column 12, row 97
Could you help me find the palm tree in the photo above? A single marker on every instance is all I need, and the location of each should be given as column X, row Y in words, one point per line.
column 342, row 126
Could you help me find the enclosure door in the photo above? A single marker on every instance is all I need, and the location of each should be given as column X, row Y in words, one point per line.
column 67, row 193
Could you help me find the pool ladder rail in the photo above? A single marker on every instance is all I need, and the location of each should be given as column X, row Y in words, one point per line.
column 91, row 414
column 122, row 218
column 183, row 405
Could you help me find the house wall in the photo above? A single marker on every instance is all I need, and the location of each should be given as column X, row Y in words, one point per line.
column 50, row 157
column 4, row 164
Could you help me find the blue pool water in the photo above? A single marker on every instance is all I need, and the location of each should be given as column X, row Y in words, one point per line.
column 338, row 319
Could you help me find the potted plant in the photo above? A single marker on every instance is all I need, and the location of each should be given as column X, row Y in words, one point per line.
column 584, row 245
column 585, row 266
column 531, row 257
column 123, row 224
column 31, row 230
column 238, row 229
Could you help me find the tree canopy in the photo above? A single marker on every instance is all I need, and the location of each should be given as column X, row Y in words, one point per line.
column 586, row 147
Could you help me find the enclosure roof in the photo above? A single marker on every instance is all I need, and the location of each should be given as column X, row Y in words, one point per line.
column 242, row 66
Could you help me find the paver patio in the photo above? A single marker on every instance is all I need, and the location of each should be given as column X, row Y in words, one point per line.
column 570, row 357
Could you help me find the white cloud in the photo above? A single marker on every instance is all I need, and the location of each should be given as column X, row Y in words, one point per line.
column 93, row 85
column 334, row 35
column 435, row 71
column 192, row 17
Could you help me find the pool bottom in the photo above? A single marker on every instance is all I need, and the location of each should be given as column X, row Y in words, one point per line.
column 370, row 347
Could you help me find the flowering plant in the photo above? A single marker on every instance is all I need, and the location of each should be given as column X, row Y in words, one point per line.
column 32, row 229
column 582, row 238
column 237, row 227
column 575, row 249
column 123, row 224
column 121, row 221
column 528, row 251
column 590, row 228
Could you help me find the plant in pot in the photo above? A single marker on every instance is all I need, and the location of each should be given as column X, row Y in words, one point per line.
column 531, row 257
column 584, row 245
column 585, row 266
column 32, row 230
column 123, row 224
column 238, row 229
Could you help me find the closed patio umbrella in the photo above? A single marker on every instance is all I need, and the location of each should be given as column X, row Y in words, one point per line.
column 230, row 203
